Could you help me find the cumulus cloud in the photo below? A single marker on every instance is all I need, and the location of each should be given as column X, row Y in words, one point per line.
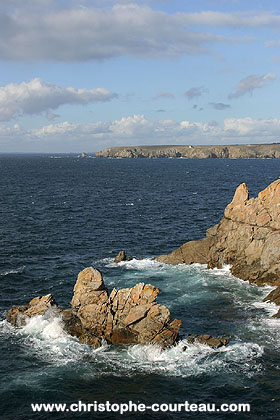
column 219, row 105
column 135, row 130
column 81, row 34
column 194, row 92
column 37, row 96
column 250, row 83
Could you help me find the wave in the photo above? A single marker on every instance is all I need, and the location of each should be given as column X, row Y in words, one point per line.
column 45, row 339
column 19, row 270
column 196, row 359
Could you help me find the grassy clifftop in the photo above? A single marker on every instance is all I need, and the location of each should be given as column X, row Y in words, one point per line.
column 261, row 151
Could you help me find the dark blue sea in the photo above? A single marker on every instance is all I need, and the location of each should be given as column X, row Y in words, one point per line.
column 60, row 215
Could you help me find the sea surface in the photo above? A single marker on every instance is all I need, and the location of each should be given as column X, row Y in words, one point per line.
column 61, row 214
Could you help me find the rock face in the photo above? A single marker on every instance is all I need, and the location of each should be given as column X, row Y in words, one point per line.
column 261, row 151
column 120, row 257
column 247, row 238
column 274, row 297
column 214, row 342
column 17, row 315
column 125, row 316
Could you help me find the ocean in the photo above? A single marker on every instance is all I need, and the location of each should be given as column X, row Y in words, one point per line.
column 60, row 214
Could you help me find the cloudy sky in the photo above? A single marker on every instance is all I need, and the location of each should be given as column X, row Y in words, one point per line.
column 82, row 75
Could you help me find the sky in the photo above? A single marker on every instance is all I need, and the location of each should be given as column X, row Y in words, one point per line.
column 83, row 75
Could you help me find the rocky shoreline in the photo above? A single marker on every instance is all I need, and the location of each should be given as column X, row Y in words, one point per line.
column 250, row 151
column 247, row 238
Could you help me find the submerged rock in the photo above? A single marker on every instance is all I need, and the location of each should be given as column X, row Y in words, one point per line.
column 247, row 238
column 214, row 342
column 127, row 316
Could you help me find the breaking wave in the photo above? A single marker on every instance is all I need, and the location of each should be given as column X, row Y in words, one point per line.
column 13, row 271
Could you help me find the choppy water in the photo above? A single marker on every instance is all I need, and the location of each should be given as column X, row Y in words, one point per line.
column 61, row 215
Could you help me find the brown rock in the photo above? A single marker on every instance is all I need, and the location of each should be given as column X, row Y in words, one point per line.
column 120, row 257
column 38, row 306
column 72, row 324
column 169, row 335
column 15, row 315
column 189, row 253
column 214, row 342
column 123, row 336
column 91, row 340
column 89, row 289
column 127, row 316
column 247, row 238
column 274, row 297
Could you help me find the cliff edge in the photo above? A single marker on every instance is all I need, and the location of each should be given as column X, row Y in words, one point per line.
column 242, row 151
column 247, row 238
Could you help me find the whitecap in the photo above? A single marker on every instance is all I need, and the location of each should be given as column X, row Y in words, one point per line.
column 196, row 359
column 44, row 335
column 18, row 270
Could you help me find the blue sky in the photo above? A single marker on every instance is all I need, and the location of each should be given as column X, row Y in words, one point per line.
column 82, row 75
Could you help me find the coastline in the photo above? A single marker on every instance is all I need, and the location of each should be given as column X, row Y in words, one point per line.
column 250, row 151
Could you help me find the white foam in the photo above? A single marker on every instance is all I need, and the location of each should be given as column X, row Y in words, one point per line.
column 45, row 335
column 195, row 359
column 136, row 264
column 269, row 307
column 46, row 340
column 13, row 271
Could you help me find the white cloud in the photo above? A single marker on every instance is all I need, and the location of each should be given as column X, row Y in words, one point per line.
column 81, row 34
column 237, row 19
column 136, row 130
column 255, row 129
column 38, row 96
column 250, row 83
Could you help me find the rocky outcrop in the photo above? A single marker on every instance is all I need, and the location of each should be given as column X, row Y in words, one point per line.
column 247, row 238
column 18, row 315
column 261, row 151
column 120, row 257
column 125, row 316
column 214, row 342
column 274, row 297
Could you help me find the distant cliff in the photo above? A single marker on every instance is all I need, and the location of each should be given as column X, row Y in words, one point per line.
column 260, row 151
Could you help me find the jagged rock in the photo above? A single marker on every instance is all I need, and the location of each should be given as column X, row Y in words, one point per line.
column 274, row 297
column 130, row 316
column 189, row 253
column 214, row 342
column 89, row 289
column 72, row 324
column 127, row 316
column 120, row 257
column 247, row 238
column 38, row 306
